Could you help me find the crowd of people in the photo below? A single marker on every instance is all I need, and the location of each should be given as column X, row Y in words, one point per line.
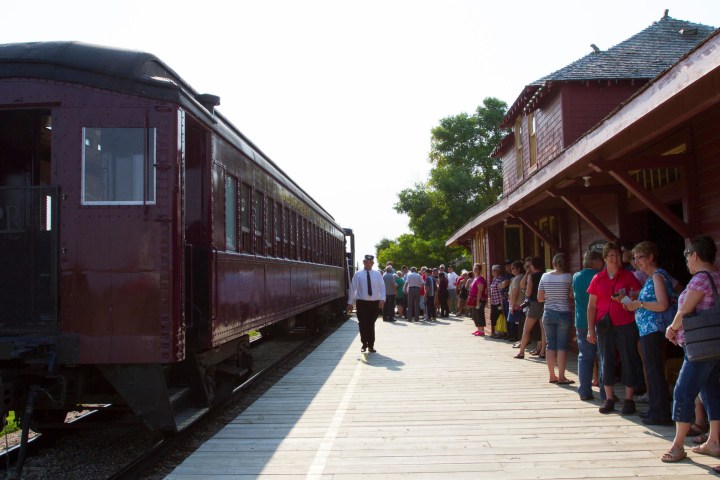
column 628, row 315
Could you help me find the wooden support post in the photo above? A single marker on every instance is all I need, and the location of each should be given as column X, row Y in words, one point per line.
column 586, row 215
column 649, row 200
column 538, row 232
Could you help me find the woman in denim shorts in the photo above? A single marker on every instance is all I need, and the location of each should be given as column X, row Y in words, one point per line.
column 555, row 290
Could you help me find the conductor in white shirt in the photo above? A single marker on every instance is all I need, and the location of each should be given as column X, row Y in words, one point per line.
column 367, row 291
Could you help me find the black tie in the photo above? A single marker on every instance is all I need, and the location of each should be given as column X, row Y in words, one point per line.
column 369, row 284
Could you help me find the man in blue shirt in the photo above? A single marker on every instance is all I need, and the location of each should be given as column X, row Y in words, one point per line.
column 587, row 352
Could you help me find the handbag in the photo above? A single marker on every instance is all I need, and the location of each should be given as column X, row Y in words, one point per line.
column 603, row 325
column 702, row 330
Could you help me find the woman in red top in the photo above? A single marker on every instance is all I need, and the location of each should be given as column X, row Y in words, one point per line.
column 477, row 299
column 607, row 289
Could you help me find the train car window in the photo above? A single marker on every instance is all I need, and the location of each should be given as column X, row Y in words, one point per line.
column 245, row 217
column 118, row 166
column 302, row 238
column 293, row 230
column 286, row 232
column 231, row 213
column 269, row 224
column 278, row 229
column 259, row 220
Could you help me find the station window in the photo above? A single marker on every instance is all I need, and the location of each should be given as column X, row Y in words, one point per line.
column 532, row 139
column 518, row 148
column 118, row 166
column 231, row 213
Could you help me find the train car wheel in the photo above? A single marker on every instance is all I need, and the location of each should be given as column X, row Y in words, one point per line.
column 44, row 420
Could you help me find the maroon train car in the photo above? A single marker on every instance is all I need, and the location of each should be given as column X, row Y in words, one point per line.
column 142, row 237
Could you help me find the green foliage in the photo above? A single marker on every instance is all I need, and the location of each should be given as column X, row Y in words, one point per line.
column 12, row 424
column 463, row 182
column 413, row 251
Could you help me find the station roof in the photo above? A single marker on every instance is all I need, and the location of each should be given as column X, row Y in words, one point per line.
column 641, row 57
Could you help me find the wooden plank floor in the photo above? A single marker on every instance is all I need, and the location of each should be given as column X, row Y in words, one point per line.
column 434, row 403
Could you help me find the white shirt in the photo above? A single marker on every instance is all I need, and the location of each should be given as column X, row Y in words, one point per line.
column 452, row 280
column 413, row 280
column 358, row 286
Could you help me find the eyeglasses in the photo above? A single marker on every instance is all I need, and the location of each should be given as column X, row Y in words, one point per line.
column 687, row 253
column 638, row 257
column 613, row 255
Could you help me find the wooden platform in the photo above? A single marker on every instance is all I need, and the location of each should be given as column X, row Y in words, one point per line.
column 434, row 403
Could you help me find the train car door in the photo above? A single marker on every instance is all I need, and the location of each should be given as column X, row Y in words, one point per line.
column 28, row 224
column 122, row 238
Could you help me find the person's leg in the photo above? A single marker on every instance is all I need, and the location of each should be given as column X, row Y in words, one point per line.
column 688, row 385
column 549, row 321
column 659, row 404
column 627, row 340
column 710, row 394
column 563, row 337
column 529, row 324
column 586, row 361
column 362, row 316
column 606, row 345
column 452, row 302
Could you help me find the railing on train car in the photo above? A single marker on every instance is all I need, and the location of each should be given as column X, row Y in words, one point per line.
column 28, row 259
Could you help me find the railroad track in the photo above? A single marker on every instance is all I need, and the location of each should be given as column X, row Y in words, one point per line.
column 46, row 453
column 135, row 468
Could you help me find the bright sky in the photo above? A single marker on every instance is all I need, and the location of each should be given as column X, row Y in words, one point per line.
column 342, row 95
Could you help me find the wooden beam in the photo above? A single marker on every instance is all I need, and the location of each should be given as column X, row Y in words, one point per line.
column 651, row 162
column 578, row 191
column 691, row 203
column 586, row 215
column 649, row 200
column 537, row 232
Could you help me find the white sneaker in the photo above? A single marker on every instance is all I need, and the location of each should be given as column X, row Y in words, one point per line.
column 642, row 398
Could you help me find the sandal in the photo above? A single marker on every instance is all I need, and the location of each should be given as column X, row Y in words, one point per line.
column 672, row 456
column 705, row 449
column 702, row 438
column 520, row 356
column 697, row 430
column 565, row 381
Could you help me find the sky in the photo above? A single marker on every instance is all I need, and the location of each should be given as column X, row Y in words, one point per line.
column 342, row 95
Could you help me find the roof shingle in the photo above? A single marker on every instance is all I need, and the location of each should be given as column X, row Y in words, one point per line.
column 644, row 55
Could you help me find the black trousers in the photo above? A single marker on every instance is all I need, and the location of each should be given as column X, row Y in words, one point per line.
column 367, row 313
column 444, row 310
column 652, row 348
column 389, row 308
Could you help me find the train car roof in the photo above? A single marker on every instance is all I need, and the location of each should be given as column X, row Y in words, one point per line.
column 132, row 72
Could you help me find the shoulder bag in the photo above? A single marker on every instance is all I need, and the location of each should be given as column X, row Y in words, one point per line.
column 603, row 325
column 702, row 330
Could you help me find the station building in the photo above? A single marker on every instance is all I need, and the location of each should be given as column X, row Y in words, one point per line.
column 622, row 145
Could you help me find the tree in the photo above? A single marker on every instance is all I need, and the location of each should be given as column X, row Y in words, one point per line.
column 414, row 251
column 464, row 180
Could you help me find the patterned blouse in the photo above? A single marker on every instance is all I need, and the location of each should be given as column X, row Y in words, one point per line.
column 495, row 293
column 648, row 321
column 701, row 283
